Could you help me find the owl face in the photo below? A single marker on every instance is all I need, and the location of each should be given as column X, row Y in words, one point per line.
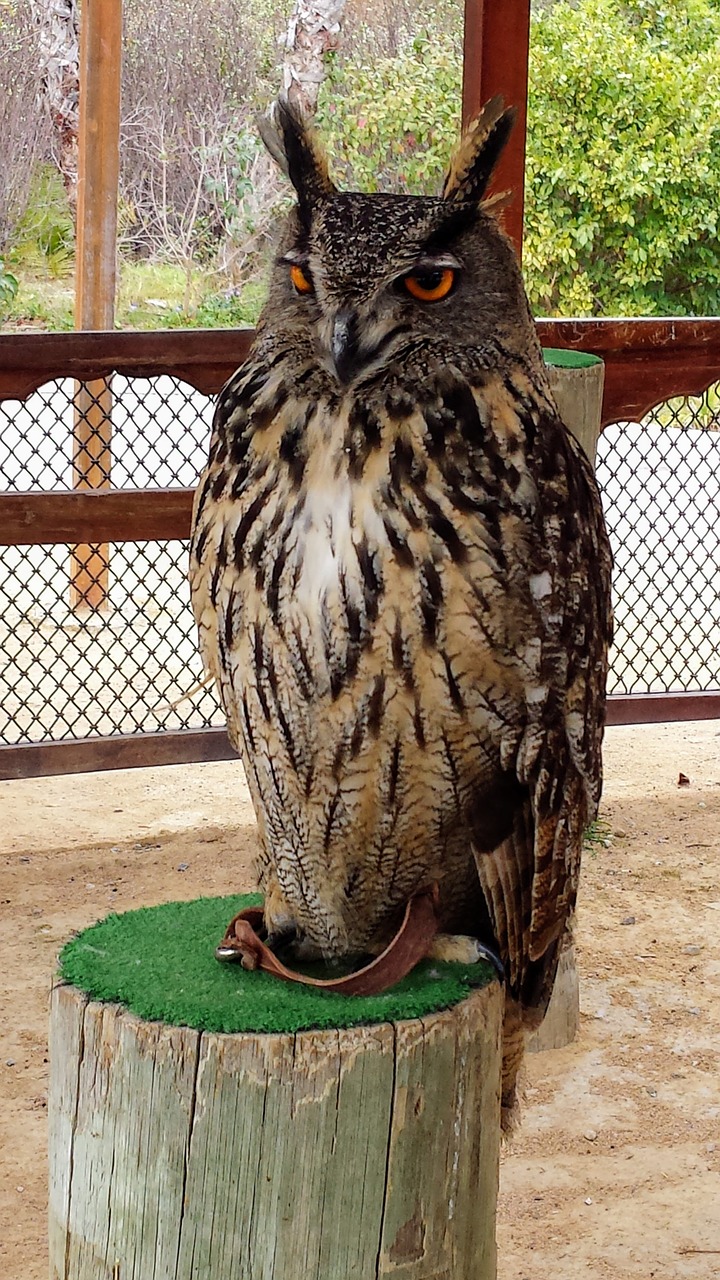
column 362, row 277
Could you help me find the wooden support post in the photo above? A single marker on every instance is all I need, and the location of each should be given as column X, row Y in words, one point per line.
column 370, row 1152
column 92, row 459
column 560, row 1025
column 98, row 170
column 497, row 42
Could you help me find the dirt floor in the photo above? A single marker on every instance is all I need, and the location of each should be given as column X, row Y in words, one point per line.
column 615, row 1172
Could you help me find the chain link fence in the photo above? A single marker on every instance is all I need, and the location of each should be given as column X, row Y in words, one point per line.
column 660, row 483
column 131, row 664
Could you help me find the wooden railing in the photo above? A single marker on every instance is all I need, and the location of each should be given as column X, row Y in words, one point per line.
column 646, row 363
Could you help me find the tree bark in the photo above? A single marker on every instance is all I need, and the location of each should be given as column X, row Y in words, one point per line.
column 313, row 31
column 58, row 25
column 370, row 1152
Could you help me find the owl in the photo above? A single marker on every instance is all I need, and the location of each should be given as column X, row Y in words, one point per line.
column 401, row 579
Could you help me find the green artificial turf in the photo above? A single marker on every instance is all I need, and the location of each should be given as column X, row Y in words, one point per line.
column 160, row 963
column 562, row 359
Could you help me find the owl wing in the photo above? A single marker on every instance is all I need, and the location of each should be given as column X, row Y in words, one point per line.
column 530, row 880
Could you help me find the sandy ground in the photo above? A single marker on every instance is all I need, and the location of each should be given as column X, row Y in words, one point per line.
column 615, row 1172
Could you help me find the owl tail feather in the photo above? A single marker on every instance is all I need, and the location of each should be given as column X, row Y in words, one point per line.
column 513, row 1052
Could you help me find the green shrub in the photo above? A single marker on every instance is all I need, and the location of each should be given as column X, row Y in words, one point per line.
column 391, row 125
column 623, row 165
column 45, row 235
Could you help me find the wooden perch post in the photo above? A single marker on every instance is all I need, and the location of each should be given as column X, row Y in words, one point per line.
column 369, row 1152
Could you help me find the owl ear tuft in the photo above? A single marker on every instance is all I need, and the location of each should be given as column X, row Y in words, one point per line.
column 478, row 152
column 294, row 146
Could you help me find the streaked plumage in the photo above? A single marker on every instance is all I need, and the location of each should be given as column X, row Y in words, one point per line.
column 400, row 576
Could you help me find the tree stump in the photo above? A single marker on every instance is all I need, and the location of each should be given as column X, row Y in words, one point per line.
column 337, row 1154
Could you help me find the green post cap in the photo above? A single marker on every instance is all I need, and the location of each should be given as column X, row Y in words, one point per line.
column 159, row 962
column 560, row 358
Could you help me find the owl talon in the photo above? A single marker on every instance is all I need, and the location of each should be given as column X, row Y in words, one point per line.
column 282, row 938
column 463, row 949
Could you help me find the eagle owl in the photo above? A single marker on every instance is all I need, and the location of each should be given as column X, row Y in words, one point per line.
column 400, row 576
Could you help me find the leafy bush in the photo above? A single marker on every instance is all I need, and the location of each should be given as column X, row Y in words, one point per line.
column 390, row 125
column 45, row 234
column 623, row 166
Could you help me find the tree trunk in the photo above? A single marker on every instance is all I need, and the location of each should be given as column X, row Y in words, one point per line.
column 58, row 22
column 313, row 31
column 369, row 1153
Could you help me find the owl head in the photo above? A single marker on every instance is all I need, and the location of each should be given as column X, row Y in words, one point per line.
column 359, row 278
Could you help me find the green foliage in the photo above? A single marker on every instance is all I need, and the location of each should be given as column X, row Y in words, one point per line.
column 391, row 125
column 236, row 309
column 45, row 235
column 8, row 287
column 623, row 165
column 598, row 835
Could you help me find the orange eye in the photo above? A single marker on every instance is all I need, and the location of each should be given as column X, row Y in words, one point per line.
column 430, row 286
column 302, row 283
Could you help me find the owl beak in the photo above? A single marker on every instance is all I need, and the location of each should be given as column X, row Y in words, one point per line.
column 344, row 345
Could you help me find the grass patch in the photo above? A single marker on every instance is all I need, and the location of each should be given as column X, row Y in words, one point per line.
column 598, row 835
column 42, row 301
column 150, row 295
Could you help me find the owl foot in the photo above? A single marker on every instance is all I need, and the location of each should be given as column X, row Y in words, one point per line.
column 460, row 948
column 280, row 939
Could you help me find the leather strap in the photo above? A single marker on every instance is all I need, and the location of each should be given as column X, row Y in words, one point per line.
column 410, row 944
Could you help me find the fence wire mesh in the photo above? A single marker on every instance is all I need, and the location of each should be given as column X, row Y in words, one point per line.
column 75, row 673
column 70, row 672
column 660, row 483
column 136, row 433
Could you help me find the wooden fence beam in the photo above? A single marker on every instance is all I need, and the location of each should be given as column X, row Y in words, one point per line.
column 116, row 515
column 646, row 360
column 185, row 746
